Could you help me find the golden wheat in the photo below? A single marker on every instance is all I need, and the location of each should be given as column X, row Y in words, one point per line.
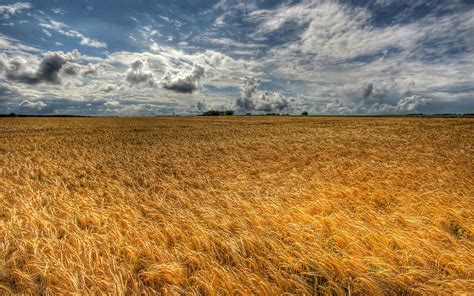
column 237, row 205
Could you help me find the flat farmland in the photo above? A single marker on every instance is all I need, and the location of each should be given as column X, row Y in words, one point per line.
column 237, row 205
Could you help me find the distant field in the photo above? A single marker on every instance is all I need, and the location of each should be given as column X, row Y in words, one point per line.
column 237, row 205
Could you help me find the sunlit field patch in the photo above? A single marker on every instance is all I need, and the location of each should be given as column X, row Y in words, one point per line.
column 237, row 205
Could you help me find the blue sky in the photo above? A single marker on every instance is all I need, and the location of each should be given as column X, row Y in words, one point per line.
column 185, row 57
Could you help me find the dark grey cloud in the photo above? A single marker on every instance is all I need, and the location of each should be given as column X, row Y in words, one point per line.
column 19, row 70
column 183, row 81
column 244, row 104
column 201, row 106
column 53, row 62
column 372, row 94
column 367, row 90
column 71, row 69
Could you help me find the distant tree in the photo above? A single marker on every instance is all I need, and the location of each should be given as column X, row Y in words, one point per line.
column 218, row 113
column 211, row 113
column 12, row 114
column 248, row 114
column 304, row 113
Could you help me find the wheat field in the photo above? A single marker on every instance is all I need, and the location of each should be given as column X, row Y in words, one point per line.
column 237, row 206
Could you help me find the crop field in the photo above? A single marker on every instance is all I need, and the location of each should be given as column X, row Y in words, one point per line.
column 237, row 205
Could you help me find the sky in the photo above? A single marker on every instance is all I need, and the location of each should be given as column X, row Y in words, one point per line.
column 183, row 57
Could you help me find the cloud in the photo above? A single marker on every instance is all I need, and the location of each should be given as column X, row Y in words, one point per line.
column 47, row 33
column 58, row 11
column 335, row 31
column 13, row 46
column 411, row 103
column 339, row 32
column 88, row 41
column 271, row 102
column 107, row 88
column 18, row 69
column 6, row 11
column 249, row 87
column 406, row 104
column 253, row 100
column 4, row 64
column 371, row 93
column 183, row 81
column 32, row 105
column 201, row 106
column 139, row 73
column 63, row 29
column 367, row 91
column 71, row 69
column 232, row 11
column 7, row 90
column 112, row 104
column 90, row 69
column 233, row 43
